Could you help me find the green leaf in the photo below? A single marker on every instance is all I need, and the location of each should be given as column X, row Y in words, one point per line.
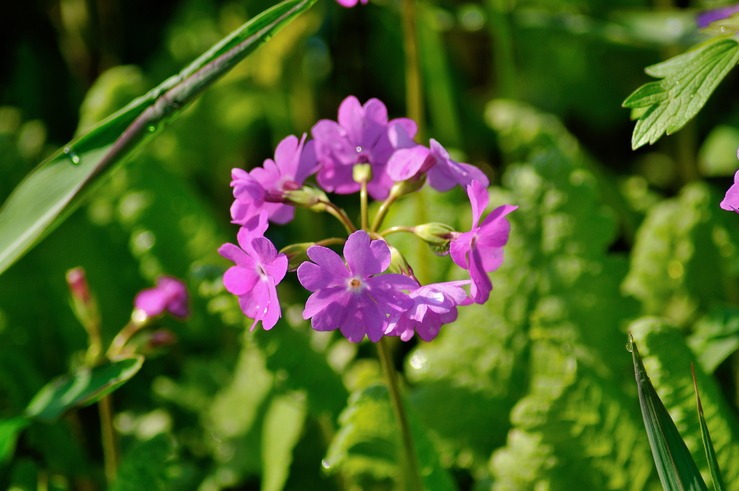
column 675, row 465
column 715, row 337
column 367, row 446
column 145, row 465
column 667, row 359
column 49, row 193
column 687, row 82
column 283, row 425
column 9, row 430
column 718, row 482
column 81, row 388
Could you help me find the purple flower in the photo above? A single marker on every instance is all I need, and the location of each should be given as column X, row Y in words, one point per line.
column 480, row 250
column 264, row 187
column 353, row 297
column 254, row 278
column 351, row 3
column 731, row 200
column 433, row 305
column 170, row 295
column 412, row 160
column 710, row 16
column 359, row 137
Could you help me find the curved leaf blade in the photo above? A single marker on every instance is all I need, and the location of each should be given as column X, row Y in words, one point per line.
column 718, row 481
column 81, row 388
column 676, row 468
column 43, row 199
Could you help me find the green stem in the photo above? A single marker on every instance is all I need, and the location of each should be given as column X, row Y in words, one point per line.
column 409, row 462
column 396, row 230
column 382, row 212
column 109, row 438
column 413, row 87
column 364, row 214
column 340, row 215
column 502, row 42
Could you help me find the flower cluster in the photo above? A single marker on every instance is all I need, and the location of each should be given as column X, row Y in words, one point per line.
column 370, row 290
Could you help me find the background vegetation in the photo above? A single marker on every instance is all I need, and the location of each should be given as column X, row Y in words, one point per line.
column 534, row 390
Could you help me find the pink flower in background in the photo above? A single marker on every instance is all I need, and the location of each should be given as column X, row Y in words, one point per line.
column 412, row 160
column 264, row 187
column 731, row 200
column 169, row 295
column 433, row 305
column 351, row 3
column 254, row 278
column 359, row 137
column 480, row 250
column 353, row 297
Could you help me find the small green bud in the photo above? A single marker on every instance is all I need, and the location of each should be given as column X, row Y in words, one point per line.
column 296, row 254
column 306, row 197
column 408, row 186
column 362, row 173
column 398, row 263
column 435, row 234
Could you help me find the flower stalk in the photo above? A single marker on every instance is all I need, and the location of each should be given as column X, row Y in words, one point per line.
column 409, row 463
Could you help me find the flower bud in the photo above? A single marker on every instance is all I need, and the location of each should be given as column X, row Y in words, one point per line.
column 296, row 254
column 398, row 263
column 305, row 197
column 408, row 186
column 436, row 235
column 83, row 303
column 362, row 173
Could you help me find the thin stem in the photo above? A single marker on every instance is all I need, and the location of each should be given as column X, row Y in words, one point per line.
column 364, row 215
column 396, row 230
column 121, row 339
column 340, row 215
column 109, row 438
column 412, row 475
column 382, row 212
column 413, row 87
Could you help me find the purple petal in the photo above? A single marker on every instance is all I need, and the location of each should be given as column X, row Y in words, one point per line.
column 406, row 162
column 731, row 199
column 328, row 271
column 481, row 284
column 365, row 258
column 240, row 280
column 479, row 199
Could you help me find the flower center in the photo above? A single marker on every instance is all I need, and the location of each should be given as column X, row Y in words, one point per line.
column 355, row 285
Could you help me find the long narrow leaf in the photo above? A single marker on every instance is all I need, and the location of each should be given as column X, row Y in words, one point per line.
column 50, row 192
column 676, row 468
column 718, row 481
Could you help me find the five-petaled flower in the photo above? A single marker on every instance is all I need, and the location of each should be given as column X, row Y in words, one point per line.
column 480, row 250
column 254, row 278
column 353, row 296
column 169, row 295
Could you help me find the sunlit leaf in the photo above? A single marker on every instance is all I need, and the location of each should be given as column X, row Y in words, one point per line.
column 48, row 193
column 718, row 482
column 81, row 388
column 687, row 82
column 9, row 430
column 283, row 424
column 675, row 465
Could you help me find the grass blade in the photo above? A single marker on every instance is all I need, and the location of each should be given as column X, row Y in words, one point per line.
column 51, row 191
column 718, row 482
column 676, row 468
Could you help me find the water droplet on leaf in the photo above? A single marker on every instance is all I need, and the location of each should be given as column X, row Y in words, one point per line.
column 72, row 155
column 630, row 347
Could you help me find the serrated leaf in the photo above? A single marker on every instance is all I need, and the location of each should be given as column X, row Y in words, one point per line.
column 50, row 192
column 718, row 482
column 687, row 82
column 81, row 388
column 676, row 468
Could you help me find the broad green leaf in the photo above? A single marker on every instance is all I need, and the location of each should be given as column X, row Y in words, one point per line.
column 718, row 482
column 367, row 446
column 667, row 359
column 48, row 193
column 283, row 424
column 145, row 466
column 676, row 468
column 81, row 388
column 687, row 82
column 9, row 430
column 715, row 337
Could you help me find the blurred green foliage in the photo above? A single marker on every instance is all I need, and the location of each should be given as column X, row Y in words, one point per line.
column 533, row 390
